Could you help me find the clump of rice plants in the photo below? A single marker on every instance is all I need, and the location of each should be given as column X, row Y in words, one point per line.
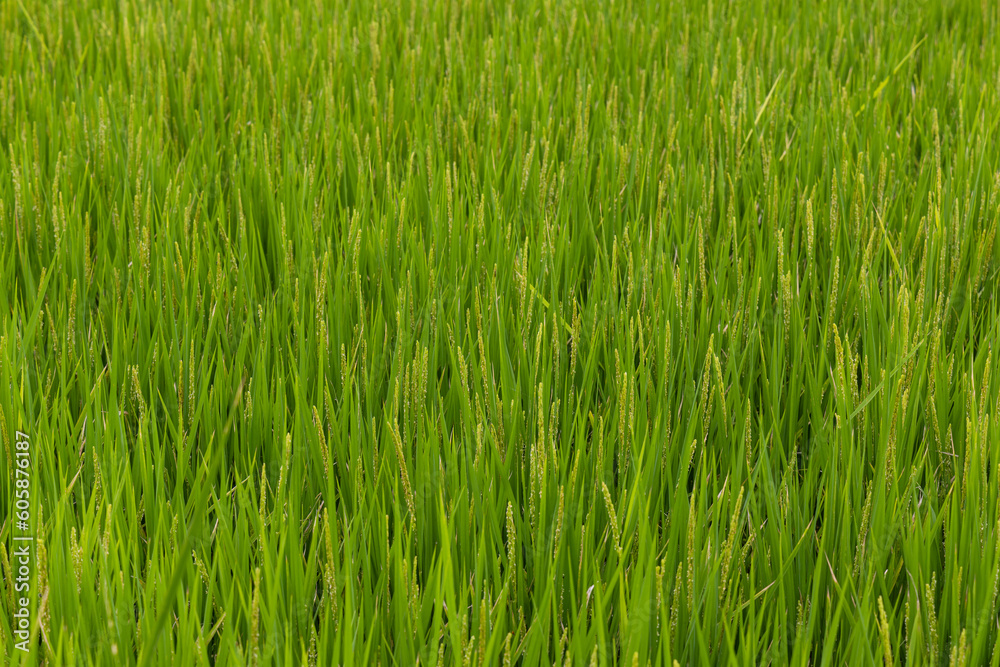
column 462, row 333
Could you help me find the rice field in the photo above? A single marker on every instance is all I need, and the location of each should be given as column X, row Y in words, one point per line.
column 476, row 333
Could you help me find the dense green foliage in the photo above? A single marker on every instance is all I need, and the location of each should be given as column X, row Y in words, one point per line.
column 474, row 333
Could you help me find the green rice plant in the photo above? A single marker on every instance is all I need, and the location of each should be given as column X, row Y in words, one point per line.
column 474, row 333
